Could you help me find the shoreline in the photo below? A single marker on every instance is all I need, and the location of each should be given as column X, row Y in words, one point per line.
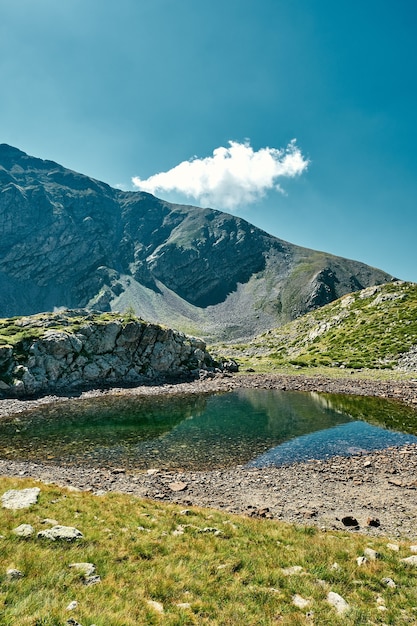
column 378, row 489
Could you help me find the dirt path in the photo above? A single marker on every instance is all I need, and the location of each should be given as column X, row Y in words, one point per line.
column 379, row 489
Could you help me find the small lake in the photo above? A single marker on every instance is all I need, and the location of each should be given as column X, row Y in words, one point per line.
column 256, row 427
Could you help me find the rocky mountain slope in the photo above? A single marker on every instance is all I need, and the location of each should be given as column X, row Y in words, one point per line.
column 67, row 240
column 75, row 349
column 372, row 328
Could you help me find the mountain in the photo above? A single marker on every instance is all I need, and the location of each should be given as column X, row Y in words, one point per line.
column 68, row 240
column 373, row 328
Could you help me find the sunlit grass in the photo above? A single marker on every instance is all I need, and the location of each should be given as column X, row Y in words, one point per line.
column 222, row 569
column 367, row 330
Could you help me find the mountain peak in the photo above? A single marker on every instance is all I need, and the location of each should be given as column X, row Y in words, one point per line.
column 71, row 241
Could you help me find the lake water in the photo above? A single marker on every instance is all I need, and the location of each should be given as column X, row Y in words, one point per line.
column 249, row 426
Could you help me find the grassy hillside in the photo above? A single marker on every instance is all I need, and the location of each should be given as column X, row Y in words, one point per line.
column 373, row 328
column 160, row 565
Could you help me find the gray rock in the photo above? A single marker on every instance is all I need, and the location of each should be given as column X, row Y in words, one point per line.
column 371, row 555
column 61, row 533
column 24, row 530
column 410, row 560
column 14, row 574
column 300, row 602
column 94, row 356
column 85, row 569
column 339, row 603
column 92, row 580
column 20, row 498
column 178, row 486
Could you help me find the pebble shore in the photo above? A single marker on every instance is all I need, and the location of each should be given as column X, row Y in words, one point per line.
column 378, row 490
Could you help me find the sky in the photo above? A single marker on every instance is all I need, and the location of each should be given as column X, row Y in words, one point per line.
column 297, row 115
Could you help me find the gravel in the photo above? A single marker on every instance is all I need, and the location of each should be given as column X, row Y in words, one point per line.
column 378, row 489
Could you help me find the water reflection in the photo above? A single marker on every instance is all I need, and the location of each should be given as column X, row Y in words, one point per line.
column 201, row 432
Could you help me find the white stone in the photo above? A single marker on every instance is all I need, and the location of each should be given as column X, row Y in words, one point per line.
column 294, row 569
column 339, row 603
column 14, row 574
column 361, row 560
column 410, row 560
column 393, row 546
column 24, row 530
column 50, row 521
column 371, row 555
column 20, row 498
column 72, row 605
column 300, row 602
column 86, row 569
column 61, row 533
column 157, row 606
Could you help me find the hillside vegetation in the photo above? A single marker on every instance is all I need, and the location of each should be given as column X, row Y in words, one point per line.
column 374, row 328
column 159, row 564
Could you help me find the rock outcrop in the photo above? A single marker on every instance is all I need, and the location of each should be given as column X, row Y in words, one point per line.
column 78, row 349
column 67, row 240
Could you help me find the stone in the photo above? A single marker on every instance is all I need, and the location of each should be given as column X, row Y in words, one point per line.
column 61, row 533
column 92, row 580
column 85, row 569
column 300, row 602
column 393, row 546
column 20, row 498
column 72, row 605
column 24, row 530
column 361, row 560
column 337, row 602
column 413, row 548
column 389, row 582
column 211, row 529
column 178, row 486
column 50, row 521
column 290, row 571
column 370, row 554
column 157, row 606
column 350, row 521
column 373, row 522
column 14, row 574
column 410, row 560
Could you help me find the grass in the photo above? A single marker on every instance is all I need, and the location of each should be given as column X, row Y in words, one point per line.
column 146, row 551
column 369, row 330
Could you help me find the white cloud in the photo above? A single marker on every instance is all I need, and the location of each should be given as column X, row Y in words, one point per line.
column 233, row 176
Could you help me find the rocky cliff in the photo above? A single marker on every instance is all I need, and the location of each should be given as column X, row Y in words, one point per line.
column 76, row 349
column 67, row 240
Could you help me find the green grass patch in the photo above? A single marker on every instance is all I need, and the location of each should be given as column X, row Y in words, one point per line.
column 21, row 331
column 146, row 551
column 369, row 329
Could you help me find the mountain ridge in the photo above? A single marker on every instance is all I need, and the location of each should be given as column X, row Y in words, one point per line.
column 68, row 240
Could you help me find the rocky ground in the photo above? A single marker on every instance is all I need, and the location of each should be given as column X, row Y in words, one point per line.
column 374, row 493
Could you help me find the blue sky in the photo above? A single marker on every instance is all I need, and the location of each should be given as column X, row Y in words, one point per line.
column 133, row 88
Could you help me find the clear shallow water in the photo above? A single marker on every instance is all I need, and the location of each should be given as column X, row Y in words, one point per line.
column 248, row 426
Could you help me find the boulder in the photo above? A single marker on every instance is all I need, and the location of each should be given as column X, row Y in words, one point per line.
column 61, row 533
column 24, row 530
column 20, row 498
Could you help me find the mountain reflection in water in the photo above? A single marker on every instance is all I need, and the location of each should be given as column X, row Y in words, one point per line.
column 203, row 431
